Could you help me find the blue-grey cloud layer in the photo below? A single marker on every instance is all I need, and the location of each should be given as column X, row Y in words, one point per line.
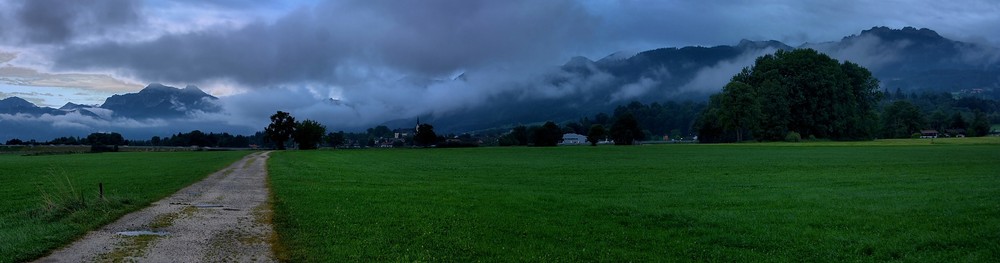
column 337, row 41
column 340, row 41
column 57, row 21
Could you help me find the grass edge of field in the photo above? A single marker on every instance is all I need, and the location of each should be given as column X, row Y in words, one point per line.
column 277, row 240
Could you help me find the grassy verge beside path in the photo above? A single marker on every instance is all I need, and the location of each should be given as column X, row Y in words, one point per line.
column 48, row 201
column 662, row 203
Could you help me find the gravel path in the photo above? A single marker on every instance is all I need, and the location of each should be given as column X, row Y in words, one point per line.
column 222, row 218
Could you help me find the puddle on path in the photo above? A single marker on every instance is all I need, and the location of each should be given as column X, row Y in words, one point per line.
column 142, row 233
column 206, row 205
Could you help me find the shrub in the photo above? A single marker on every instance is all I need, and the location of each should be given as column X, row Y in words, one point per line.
column 99, row 148
column 915, row 135
column 793, row 137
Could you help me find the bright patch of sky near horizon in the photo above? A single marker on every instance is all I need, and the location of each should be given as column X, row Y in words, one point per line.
column 54, row 97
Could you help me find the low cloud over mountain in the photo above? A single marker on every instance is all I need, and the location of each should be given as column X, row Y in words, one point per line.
column 156, row 110
column 910, row 59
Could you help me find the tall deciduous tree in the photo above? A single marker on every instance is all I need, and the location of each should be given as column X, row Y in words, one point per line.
column 625, row 130
column 335, row 139
column 957, row 122
column 938, row 120
column 802, row 91
column 105, row 142
column 595, row 135
column 520, row 133
column 548, row 135
column 281, row 128
column 739, row 107
column 308, row 134
column 901, row 119
column 106, row 138
column 14, row 141
column 380, row 131
column 425, row 135
column 980, row 125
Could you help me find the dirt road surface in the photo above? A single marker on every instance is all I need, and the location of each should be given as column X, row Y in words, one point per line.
column 224, row 217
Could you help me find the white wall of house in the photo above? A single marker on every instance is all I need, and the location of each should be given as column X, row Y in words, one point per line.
column 573, row 138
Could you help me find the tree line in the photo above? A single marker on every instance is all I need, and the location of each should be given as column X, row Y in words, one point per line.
column 624, row 130
column 908, row 116
column 626, row 125
column 193, row 138
column 309, row 135
column 672, row 119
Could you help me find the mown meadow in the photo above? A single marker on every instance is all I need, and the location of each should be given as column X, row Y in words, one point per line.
column 47, row 201
column 893, row 200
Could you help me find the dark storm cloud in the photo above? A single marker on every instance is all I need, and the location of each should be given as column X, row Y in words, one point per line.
column 57, row 21
column 442, row 35
column 339, row 41
column 256, row 54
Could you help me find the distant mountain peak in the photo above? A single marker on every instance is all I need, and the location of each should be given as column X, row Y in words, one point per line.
column 73, row 106
column 160, row 88
column 906, row 30
column 158, row 100
column 912, row 33
column 156, row 86
column 13, row 102
column 579, row 61
column 617, row 56
column 16, row 105
column 748, row 44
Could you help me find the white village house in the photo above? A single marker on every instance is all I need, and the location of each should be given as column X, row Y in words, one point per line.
column 573, row 138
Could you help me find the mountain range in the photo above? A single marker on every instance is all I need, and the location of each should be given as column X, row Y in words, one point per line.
column 907, row 59
column 153, row 101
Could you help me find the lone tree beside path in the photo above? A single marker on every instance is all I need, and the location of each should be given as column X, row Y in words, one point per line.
column 281, row 129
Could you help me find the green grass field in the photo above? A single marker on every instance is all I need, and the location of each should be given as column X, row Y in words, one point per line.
column 905, row 200
column 40, row 196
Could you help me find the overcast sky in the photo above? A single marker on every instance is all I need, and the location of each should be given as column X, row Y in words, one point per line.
column 357, row 50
